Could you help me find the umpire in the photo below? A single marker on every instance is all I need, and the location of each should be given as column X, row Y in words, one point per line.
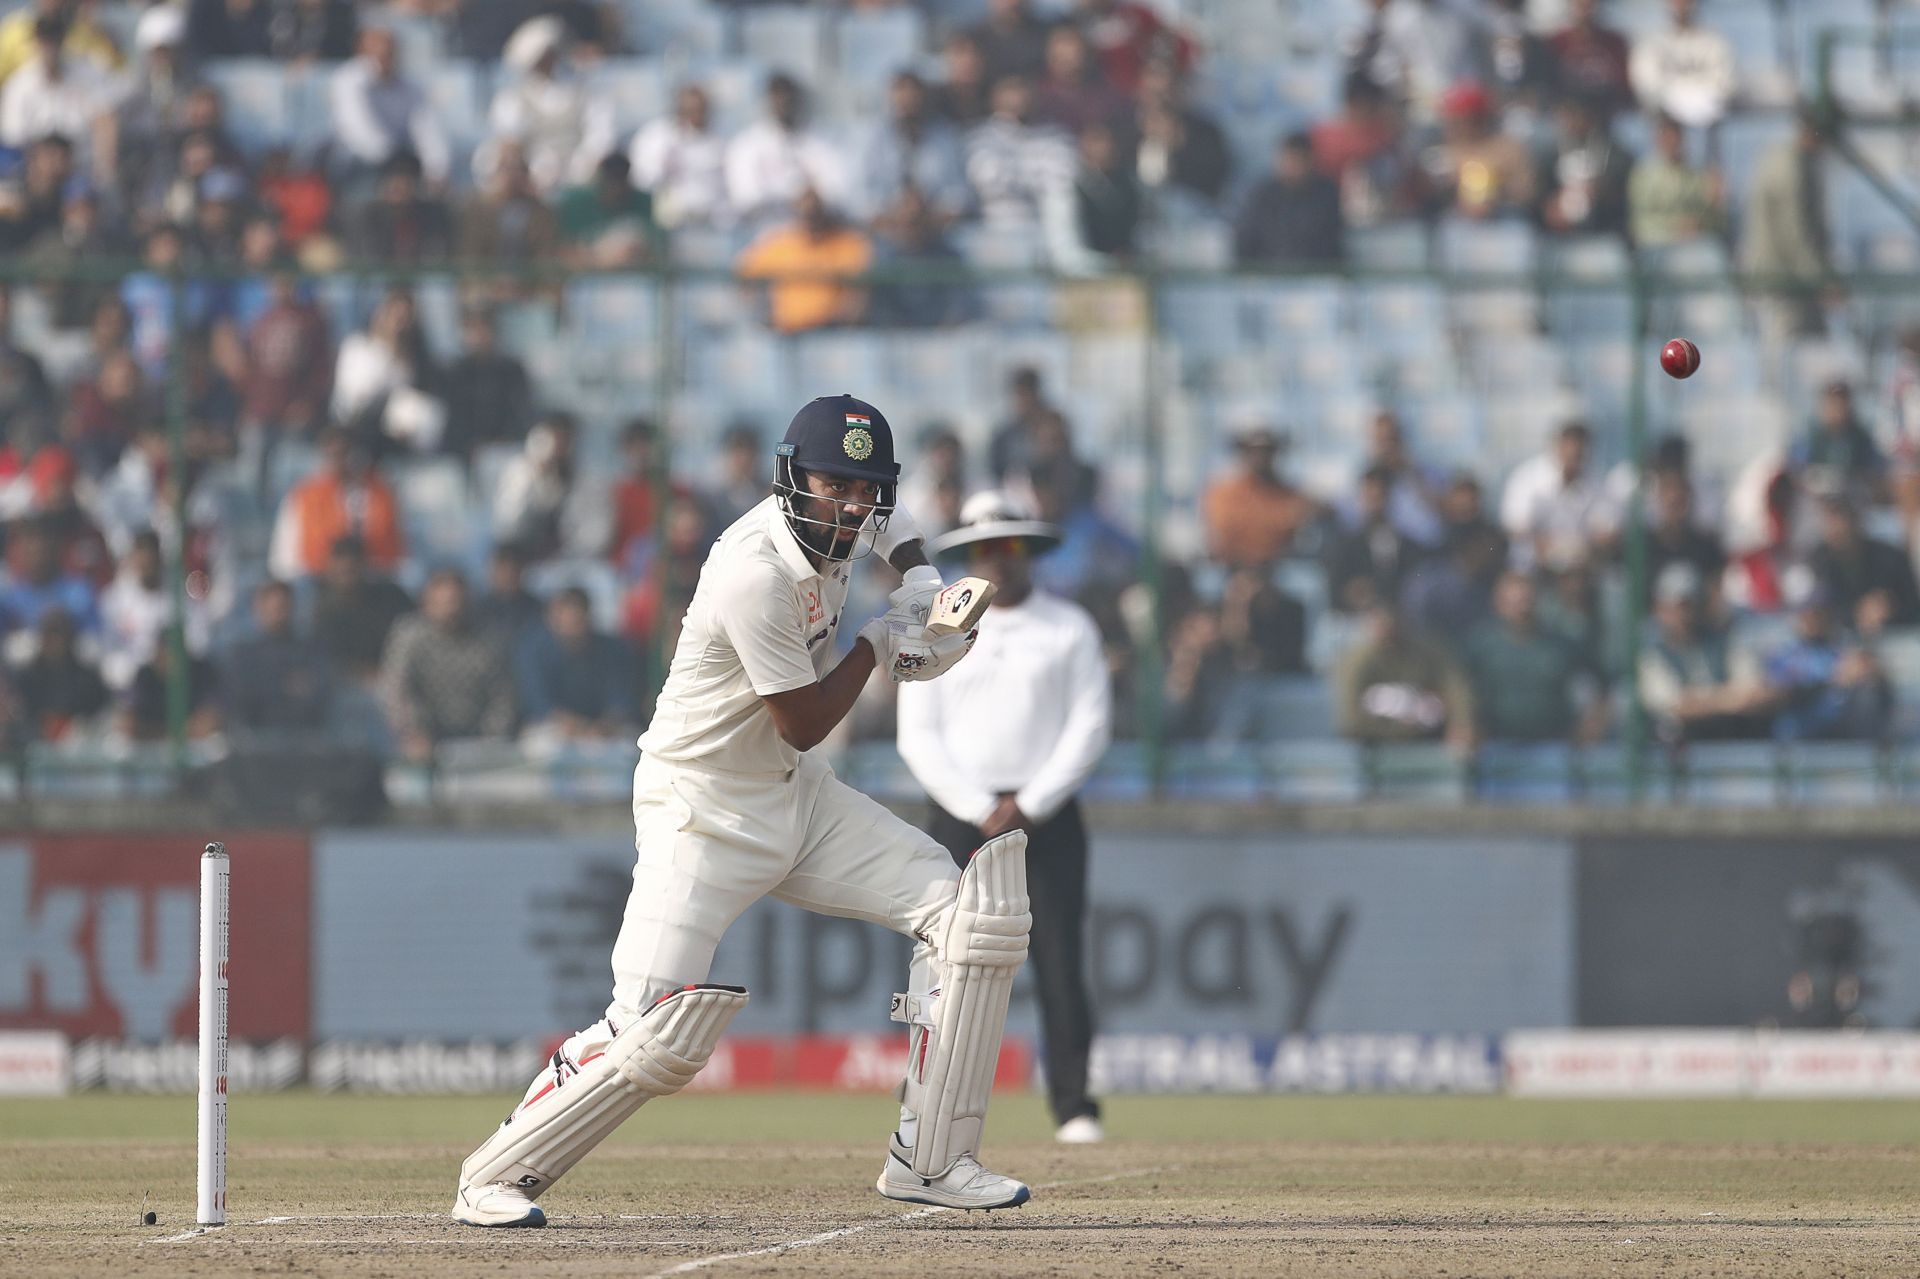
column 1006, row 740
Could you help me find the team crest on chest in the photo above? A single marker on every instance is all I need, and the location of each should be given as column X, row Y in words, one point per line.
column 858, row 441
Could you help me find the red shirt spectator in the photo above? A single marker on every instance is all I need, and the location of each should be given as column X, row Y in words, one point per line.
column 1593, row 60
column 289, row 362
column 346, row 497
column 1125, row 36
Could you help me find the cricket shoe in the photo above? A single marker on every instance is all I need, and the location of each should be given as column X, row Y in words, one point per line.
column 499, row 1205
column 1081, row 1130
column 965, row 1185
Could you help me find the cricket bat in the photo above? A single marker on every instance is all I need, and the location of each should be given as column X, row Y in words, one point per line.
column 957, row 608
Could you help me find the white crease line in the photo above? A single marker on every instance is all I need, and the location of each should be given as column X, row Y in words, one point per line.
column 828, row 1236
column 195, row 1233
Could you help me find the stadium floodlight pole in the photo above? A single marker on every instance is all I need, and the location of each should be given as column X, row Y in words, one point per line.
column 212, row 1171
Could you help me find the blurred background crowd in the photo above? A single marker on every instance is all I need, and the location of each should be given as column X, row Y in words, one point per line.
column 431, row 342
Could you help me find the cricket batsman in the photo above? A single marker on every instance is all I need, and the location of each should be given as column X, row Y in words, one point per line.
column 730, row 804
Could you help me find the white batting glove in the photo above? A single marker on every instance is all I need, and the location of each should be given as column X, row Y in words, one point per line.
column 923, row 659
column 891, row 633
column 917, row 590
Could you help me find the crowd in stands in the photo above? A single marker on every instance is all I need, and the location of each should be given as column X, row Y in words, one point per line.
column 1477, row 608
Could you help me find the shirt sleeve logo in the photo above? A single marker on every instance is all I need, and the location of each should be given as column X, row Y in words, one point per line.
column 858, row 441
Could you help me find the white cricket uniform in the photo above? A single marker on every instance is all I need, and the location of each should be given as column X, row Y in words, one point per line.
column 724, row 811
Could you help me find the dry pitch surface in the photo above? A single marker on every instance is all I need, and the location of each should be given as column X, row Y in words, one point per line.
column 1189, row 1186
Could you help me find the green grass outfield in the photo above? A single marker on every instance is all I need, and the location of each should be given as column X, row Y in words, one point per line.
column 804, row 1117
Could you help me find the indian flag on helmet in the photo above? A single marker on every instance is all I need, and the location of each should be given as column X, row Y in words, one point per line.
column 859, row 419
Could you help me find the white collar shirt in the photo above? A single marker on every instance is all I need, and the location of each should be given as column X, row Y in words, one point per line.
column 762, row 621
column 1028, row 713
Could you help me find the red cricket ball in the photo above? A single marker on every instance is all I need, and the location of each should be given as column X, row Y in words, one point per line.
column 1680, row 358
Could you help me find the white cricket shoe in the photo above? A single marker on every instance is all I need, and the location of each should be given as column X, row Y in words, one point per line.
column 1081, row 1130
column 498, row 1205
column 965, row 1185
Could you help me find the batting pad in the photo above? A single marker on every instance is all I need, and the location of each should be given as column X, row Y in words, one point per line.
column 984, row 942
column 654, row 1057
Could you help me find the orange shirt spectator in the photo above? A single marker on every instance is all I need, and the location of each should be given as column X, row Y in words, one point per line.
column 345, row 497
column 1253, row 515
column 799, row 260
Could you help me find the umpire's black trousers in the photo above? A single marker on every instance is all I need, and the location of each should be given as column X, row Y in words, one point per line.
column 1057, row 886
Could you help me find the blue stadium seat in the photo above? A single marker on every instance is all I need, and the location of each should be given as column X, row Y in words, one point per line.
column 677, row 29
column 443, row 524
column 1899, row 653
column 254, row 93
column 1495, row 248
column 591, row 574
column 1733, row 774
column 1394, row 246
column 788, row 38
column 636, row 88
column 870, row 46
column 1326, row 771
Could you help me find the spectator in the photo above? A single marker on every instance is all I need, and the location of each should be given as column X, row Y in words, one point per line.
column 1695, row 683
column 560, row 127
column 1092, row 227
column 85, row 236
column 1180, row 148
column 608, row 222
column 633, row 538
column 78, row 543
column 935, row 488
column 1026, row 404
column 276, row 681
column 1686, row 72
column 1011, row 40
column 1071, row 94
column 378, row 113
column 151, row 110
column 1868, row 583
column 1395, row 686
column 804, row 263
column 403, row 224
column 35, row 214
column 345, row 496
column 1451, row 592
column 1784, row 232
column 1675, row 538
column 54, row 95
column 1362, row 149
column 1837, row 451
column 1584, row 180
column 1096, row 559
column 1416, row 50
column 150, row 299
column 681, row 162
column 508, row 220
column 443, row 678
column 1263, row 632
column 508, row 608
column 104, row 412
column 1477, row 171
column 537, row 504
column 1463, row 515
column 298, row 194
column 1529, row 684
column 35, row 582
column 383, row 378
column 58, row 692
column 1765, row 570
column 1367, row 562
column 1824, row 685
column 1556, row 507
column 1015, row 163
column 1293, row 216
column 743, row 482
column 908, row 236
column 136, row 611
column 26, row 399
column 289, row 366
column 1592, row 60
column 775, row 160
column 1668, row 200
column 489, row 396
column 83, row 42
column 963, row 98
column 913, row 150
column 354, row 611
column 1127, row 37
column 1520, row 64
column 1253, row 514
column 1903, row 413
column 1410, row 489
column 311, row 30
column 146, row 714
column 575, row 684
column 1049, row 461
column 1199, row 678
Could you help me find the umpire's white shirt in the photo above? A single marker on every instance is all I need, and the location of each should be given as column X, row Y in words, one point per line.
column 762, row 621
column 1028, row 711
